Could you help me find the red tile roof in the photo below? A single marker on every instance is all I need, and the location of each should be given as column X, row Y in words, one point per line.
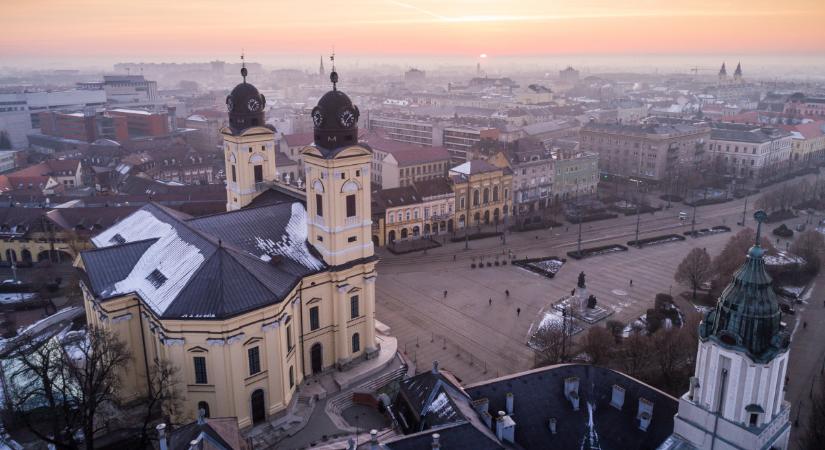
column 407, row 154
column 299, row 139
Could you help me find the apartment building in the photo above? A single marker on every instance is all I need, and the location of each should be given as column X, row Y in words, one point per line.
column 747, row 151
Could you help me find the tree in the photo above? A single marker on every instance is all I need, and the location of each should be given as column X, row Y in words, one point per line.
column 550, row 342
column 5, row 141
column 810, row 245
column 598, row 344
column 733, row 255
column 695, row 269
column 70, row 379
column 164, row 398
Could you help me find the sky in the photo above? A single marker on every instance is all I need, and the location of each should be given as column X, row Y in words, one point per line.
column 209, row 29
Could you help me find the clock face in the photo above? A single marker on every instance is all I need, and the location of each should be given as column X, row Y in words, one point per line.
column 253, row 104
column 317, row 117
column 229, row 104
column 347, row 118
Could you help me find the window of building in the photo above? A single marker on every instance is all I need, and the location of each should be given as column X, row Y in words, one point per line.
column 353, row 307
column 291, row 377
column 356, row 343
column 203, row 406
column 352, row 239
column 351, row 205
column 319, row 206
column 200, row 369
column 259, row 173
column 314, row 319
column 234, row 174
column 156, row 278
column 753, row 419
column 461, row 203
column 288, row 338
column 254, row 357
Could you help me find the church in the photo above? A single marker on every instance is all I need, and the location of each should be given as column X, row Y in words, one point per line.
column 247, row 303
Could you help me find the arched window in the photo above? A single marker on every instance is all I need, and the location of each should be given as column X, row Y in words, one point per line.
column 400, row 217
column 203, row 406
column 486, row 195
column 356, row 343
column 415, row 213
column 403, row 233
column 495, row 193
column 461, row 203
column 407, row 214
column 475, row 198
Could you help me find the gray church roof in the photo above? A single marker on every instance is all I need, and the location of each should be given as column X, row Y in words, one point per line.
column 210, row 267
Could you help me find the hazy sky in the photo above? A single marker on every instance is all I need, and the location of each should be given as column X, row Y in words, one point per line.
column 205, row 29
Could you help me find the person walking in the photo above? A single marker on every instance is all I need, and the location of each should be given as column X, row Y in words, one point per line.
column 491, row 301
column 518, row 312
column 507, row 292
column 445, row 293
column 631, row 282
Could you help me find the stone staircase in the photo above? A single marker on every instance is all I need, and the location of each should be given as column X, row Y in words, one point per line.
column 336, row 405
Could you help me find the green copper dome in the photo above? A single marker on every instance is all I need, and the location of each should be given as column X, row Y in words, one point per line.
column 747, row 315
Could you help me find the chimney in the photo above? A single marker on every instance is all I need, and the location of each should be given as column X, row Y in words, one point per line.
column 505, row 427
column 571, row 391
column 617, row 398
column 552, row 425
column 645, row 414
column 435, row 367
column 436, row 444
column 373, row 439
column 162, row 436
column 508, row 399
column 694, row 385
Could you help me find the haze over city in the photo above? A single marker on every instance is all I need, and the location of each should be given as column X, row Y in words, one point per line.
column 412, row 225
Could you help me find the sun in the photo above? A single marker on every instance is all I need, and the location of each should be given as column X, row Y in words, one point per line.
column 483, row 55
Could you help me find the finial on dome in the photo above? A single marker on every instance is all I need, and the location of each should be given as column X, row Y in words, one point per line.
column 760, row 217
column 333, row 76
column 243, row 67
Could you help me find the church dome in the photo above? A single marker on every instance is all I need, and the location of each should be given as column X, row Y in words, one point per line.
column 335, row 119
column 245, row 105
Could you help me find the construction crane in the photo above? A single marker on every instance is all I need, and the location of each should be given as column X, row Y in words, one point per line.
column 696, row 69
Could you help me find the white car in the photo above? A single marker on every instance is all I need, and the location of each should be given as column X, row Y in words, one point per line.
column 683, row 215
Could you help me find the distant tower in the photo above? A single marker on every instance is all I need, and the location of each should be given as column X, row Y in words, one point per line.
column 321, row 72
column 736, row 398
column 248, row 145
column 723, row 74
column 737, row 75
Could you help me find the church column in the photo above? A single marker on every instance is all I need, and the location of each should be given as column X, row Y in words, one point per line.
column 274, row 364
column 341, row 348
column 369, row 310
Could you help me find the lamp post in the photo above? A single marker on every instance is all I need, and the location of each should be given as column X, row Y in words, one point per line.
column 693, row 222
column 744, row 211
column 638, row 216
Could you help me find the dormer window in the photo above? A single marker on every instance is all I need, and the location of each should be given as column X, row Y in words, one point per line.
column 156, row 278
column 117, row 239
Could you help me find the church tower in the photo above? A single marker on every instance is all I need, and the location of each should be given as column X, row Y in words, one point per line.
column 737, row 74
column 248, row 146
column 723, row 74
column 736, row 399
column 338, row 181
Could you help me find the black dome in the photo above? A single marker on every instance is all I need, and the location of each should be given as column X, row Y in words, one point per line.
column 246, row 106
column 336, row 120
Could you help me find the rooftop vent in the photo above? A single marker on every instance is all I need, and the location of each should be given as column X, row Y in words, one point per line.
column 645, row 414
column 117, row 239
column 571, row 391
column 617, row 398
column 508, row 399
column 505, row 427
column 156, row 278
column 551, row 424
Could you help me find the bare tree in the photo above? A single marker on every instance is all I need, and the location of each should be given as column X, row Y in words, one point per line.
column 695, row 269
column 598, row 343
column 810, row 245
column 71, row 378
column 164, row 398
column 733, row 255
column 549, row 344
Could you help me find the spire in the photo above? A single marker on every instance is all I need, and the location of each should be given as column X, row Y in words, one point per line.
column 243, row 67
column 321, row 69
column 738, row 72
column 723, row 72
column 333, row 76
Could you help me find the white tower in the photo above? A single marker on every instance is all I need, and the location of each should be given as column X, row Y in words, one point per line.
column 736, row 399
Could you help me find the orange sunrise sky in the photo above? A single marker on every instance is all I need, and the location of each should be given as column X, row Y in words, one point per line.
column 199, row 28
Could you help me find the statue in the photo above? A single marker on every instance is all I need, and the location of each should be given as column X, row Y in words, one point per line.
column 591, row 301
column 581, row 280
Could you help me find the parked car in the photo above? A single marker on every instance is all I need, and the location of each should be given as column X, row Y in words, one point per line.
column 800, row 227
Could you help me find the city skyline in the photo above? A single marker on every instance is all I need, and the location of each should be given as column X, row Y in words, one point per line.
column 93, row 29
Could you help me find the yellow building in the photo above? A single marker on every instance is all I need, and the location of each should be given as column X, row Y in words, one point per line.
column 482, row 193
column 251, row 302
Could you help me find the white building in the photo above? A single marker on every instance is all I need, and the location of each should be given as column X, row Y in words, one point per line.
column 746, row 151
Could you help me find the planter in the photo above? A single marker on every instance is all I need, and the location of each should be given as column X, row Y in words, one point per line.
column 597, row 251
column 548, row 266
column 656, row 240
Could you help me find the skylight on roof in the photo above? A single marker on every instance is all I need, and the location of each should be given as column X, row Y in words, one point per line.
column 156, row 278
column 117, row 239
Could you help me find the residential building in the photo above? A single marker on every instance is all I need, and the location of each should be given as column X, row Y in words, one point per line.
column 240, row 301
column 460, row 139
column 8, row 160
column 403, row 218
column 577, row 174
column 15, row 121
column 801, row 105
column 402, row 164
column 207, row 131
column 482, row 193
column 569, row 75
column 533, row 173
column 407, row 129
column 748, row 151
column 552, row 129
column 292, row 144
column 437, row 205
column 808, row 142
column 651, row 150
column 38, row 101
column 65, row 172
column 132, row 90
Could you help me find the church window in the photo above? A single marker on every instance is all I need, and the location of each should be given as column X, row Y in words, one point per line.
column 353, row 307
column 356, row 343
column 352, row 238
column 320, row 238
column 156, row 278
column 319, row 205
column 351, row 205
column 205, row 407
column 254, row 357
column 234, row 174
column 288, row 338
column 753, row 418
column 259, row 173
column 314, row 319
column 358, row 173
column 200, row 370
column 291, row 377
